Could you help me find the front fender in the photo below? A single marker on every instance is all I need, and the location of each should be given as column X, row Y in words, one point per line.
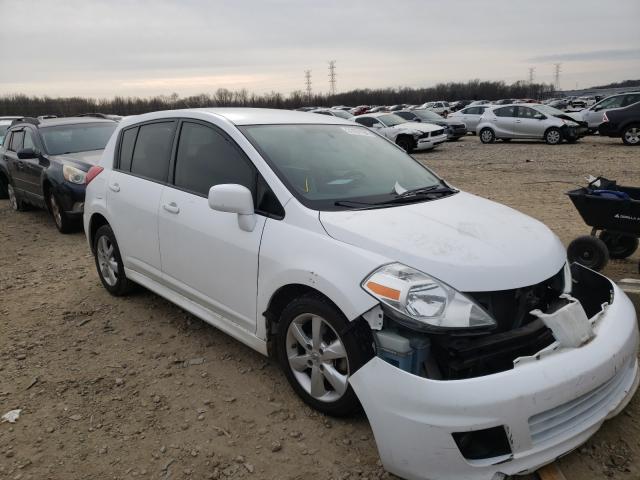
column 293, row 255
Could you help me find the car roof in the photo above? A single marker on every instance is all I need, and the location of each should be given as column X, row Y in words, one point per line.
column 54, row 122
column 244, row 116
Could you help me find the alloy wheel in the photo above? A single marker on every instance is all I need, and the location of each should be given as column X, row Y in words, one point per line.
column 107, row 261
column 486, row 136
column 553, row 137
column 632, row 135
column 317, row 357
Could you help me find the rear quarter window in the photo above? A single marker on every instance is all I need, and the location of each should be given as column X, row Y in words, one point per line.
column 152, row 150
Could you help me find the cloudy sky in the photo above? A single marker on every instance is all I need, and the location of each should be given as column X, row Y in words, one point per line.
column 128, row 47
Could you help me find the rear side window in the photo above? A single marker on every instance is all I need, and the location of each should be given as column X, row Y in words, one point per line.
column 505, row 112
column 152, row 151
column 366, row 121
column 206, row 158
column 126, row 148
column 471, row 111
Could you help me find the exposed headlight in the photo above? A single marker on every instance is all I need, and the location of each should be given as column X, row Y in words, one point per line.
column 422, row 302
column 73, row 174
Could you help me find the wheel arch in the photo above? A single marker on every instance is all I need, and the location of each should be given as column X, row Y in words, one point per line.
column 97, row 220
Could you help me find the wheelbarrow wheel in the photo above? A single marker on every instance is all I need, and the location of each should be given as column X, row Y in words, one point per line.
column 588, row 251
column 619, row 244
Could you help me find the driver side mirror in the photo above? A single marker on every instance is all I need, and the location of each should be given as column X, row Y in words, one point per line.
column 28, row 153
column 233, row 198
column 376, row 125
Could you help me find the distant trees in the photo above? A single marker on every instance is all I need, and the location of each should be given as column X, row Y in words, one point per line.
column 20, row 104
column 623, row 84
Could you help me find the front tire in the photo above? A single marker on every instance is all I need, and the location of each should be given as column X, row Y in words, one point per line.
column 405, row 143
column 109, row 262
column 64, row 224
column 487, row 135
column 14, row 201
column 631, row 135
column 318, row 354
column 553, row 136
column 588, row 251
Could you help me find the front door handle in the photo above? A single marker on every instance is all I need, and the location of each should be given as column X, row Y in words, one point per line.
column 115, row 187
column 20, row 165
column 171, row 207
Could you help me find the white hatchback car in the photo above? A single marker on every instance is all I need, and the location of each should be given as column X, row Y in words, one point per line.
column 456, row 323
column 407, row 135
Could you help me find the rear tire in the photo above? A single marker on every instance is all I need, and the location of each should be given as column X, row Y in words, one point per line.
column 553, row 136
column 588, row 251
column 487, row 135
column 619, row 245
column 631, row 135
column 109, row 262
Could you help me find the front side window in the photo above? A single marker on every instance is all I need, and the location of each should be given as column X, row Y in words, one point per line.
column 28, row 140
column 613, row 102
column 526, row 112
column 16, row 141
column 631, row 99
column 152, row 151
column 325, row 164
column 406, row 115
column 206, row 158
column 366, row 121
column 76, row 138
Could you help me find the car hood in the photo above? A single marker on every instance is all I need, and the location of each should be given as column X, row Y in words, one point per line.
column 87, row 158
column 419, row 126
column 471, row 243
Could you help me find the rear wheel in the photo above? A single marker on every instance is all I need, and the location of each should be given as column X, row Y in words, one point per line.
column 318, row 354
column 619, row 244
column 631, row 135
column 553, row 136
column 588, row 251
column 109, row 262
column 487, row 135
column 64, row 224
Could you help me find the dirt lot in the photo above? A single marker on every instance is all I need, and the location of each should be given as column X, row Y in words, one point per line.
column 136, row 388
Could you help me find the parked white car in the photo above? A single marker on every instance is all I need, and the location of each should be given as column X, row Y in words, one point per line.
column 593, row 115
column 410, row 136
column 529, row 121
column 441, row 108
column 456, row 322
column 470, row 116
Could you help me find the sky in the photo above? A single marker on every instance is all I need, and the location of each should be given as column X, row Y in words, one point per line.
column 97, row 48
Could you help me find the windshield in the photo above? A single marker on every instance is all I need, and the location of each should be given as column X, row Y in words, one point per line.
column 324, row 164
column 81, row 137
column 391, row 119
column 428, row 115
column 342, row 114
column 3, row 132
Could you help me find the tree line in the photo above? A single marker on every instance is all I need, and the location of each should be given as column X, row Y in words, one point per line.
column 20, row 104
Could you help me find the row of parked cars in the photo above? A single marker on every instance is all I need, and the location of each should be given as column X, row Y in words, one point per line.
column 371, row 280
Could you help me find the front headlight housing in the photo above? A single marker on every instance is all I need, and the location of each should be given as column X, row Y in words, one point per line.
column 421, row 302
column 73, row 174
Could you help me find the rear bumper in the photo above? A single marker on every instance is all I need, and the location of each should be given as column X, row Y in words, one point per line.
column 548, row 407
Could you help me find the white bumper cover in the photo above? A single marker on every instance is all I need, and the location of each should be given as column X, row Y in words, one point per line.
column 548, row 407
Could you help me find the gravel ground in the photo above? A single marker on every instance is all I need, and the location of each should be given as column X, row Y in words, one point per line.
column 137, row 388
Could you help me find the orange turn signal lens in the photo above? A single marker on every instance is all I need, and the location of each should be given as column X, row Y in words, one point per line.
column 383, row 291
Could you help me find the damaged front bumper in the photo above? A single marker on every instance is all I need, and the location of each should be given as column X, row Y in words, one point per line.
column 543, row 408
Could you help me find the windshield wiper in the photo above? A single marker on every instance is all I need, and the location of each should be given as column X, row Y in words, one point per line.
column 438, row 188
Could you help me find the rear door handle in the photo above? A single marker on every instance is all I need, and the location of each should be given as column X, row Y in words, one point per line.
column 171, row 207
column 115, row 187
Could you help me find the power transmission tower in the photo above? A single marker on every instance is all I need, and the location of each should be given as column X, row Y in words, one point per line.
column 532, row 71
column 307, row 76
column 332, row 77
column 557, row 74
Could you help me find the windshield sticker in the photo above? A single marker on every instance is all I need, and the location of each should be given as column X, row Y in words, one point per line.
column 357, row 131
